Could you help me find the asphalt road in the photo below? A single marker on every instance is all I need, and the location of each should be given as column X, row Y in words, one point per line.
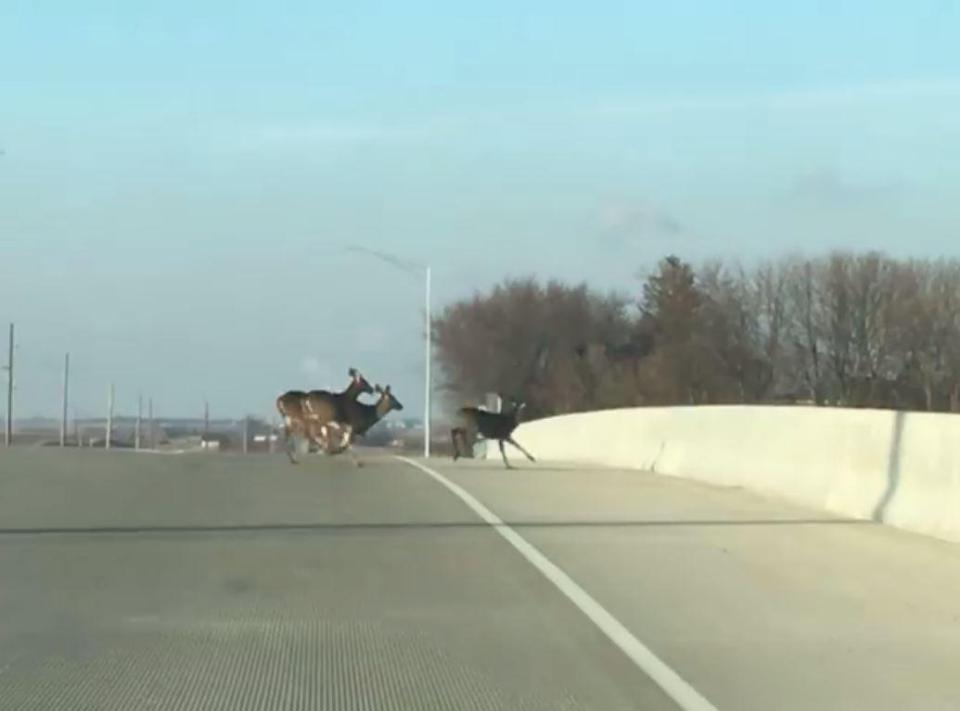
column 136, row 581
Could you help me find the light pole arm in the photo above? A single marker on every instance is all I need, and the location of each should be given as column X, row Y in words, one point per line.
column 414, row 269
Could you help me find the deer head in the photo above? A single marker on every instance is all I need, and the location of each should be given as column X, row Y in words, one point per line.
column 358, row 383
column 387, row 401
column 516, row 404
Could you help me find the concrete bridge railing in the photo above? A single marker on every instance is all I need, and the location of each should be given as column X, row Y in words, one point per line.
column 895, row 467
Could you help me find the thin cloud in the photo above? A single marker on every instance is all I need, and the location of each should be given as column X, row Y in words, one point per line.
column 324, row 133
column 369, row 339
column 826, row 188
column 319, row 134
column 621, row 221
column 801, row 99
column 315, row 371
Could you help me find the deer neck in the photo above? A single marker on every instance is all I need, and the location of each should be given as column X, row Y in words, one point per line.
column 352, row 391
column 382, row 407
column 363, row 417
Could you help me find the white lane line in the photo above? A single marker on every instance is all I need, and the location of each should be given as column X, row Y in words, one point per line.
column 666, row 678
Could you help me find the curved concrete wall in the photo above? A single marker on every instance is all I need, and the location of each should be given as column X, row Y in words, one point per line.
column 899, row 468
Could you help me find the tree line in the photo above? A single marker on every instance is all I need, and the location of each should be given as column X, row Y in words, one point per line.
column 849, row 330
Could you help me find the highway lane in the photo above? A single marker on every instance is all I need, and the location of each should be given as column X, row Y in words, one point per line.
column 231, row 582
column 218, row 582
column 756, row 603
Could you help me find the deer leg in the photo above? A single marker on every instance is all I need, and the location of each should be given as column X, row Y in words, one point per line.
column 286, row 439
column 315, row 434
column 292, row 433
column 289, row 445
column 347, row 445
column 353, row 456
column 516, row 444
column 328, row 444
column 346, row 439
column 454, row 433
column 324, row 441
column 503, row 453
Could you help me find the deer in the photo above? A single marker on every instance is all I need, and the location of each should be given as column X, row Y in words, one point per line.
column 492, row 425
column 293, row 406
column 324, row 409
column 358, row 419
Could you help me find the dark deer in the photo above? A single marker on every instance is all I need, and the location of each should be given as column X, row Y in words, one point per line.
column 359, row 418
column 294, row 407
column 492, row 425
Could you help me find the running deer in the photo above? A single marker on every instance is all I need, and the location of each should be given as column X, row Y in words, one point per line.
column 324, row 409
column 491, row 425
column 359, row 418
column 294, row 406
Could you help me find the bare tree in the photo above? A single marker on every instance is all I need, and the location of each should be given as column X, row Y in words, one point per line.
column 768, row 301
column 731, row 333
column 843, row 329
column 928, row 312
column 526, row 339
column 804, row 327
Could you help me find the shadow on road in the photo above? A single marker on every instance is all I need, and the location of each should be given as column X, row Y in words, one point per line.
column 427, row 525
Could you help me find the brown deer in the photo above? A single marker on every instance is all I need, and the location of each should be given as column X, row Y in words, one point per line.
column 293, row 406
column 358, row 419
column 492, row 425
column 324, row 409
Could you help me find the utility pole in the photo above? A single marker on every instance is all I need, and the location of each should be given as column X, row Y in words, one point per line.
column 206, row 423
column 426, row 387
column 246, row 433
column 8, row 432
column 271, row 434
column 109, row 428
column 153, row 431
column 137, row 428
column 65, row 400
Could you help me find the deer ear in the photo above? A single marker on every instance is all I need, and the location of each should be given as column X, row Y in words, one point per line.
column 387, row 390
column 377, row 388
column 352, row 372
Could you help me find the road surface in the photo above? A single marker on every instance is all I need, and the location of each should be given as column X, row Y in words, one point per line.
column 209, row 581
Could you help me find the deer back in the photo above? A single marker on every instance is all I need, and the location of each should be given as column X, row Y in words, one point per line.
column 290, row 404
column 492, row 425
column 322, row 406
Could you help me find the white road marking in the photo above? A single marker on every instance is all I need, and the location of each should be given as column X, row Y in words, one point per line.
column 666, row 678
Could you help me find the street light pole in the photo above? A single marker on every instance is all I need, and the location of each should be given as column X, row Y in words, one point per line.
column 414, row 269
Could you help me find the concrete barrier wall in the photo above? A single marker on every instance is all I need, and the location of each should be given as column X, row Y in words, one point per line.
column 895, row 467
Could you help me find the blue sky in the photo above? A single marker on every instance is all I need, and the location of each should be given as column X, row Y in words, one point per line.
column 178, row 183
